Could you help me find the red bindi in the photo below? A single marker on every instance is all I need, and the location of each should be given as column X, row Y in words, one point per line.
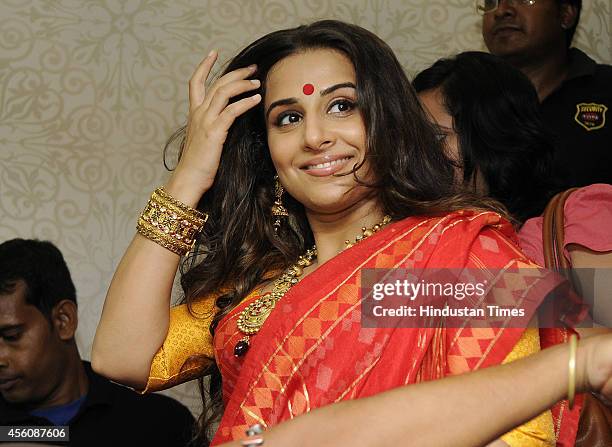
column 308, row 89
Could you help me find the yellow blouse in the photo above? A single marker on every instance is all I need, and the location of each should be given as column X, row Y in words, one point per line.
column 188, row 350
column 539, row 431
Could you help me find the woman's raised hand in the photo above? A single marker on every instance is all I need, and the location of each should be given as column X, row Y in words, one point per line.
column 142, row 284
column 210, row 117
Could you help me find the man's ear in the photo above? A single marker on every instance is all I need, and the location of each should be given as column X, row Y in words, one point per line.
column 568, row 14
column 65, row 319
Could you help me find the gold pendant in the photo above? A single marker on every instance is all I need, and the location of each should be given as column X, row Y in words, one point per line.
column 255, row 314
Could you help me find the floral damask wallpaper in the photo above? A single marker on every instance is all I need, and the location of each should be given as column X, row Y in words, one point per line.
column 91, row 89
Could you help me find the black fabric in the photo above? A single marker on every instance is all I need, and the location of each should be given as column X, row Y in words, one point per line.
column 584, row 156
column 113, row 415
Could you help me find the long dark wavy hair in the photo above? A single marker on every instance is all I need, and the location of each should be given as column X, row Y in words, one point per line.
column 501, row 135
column 238, row 249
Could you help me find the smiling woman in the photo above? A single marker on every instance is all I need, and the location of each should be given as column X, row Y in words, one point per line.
column 317, row 139
column 309, row 160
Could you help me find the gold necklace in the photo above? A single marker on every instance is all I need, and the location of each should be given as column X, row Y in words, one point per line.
column 367, row 232
column 252, row 318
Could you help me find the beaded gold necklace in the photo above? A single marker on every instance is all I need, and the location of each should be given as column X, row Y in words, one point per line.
column 252, row 318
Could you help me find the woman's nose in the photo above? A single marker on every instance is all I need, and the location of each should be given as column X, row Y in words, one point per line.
column 317, row 134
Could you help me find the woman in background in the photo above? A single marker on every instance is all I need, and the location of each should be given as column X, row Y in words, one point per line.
column 487, row 114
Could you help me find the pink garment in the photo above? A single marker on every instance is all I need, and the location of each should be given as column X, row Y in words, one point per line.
column 588, row 222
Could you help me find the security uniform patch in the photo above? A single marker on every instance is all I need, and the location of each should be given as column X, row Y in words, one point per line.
column 591, row 116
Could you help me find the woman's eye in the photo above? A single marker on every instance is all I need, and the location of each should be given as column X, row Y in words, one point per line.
column 285, row 119
column 341, row 107
column 441, row 136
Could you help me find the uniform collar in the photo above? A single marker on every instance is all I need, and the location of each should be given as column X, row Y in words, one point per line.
column 579, row 64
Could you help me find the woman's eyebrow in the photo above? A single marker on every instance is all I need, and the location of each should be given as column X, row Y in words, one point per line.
column 335, row 87
column 280, row 102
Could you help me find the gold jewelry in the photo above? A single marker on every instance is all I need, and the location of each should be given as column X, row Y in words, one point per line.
column 367, row 232
column 278, row 210
column 571, row 387
column 170, row 223
column 252, row 318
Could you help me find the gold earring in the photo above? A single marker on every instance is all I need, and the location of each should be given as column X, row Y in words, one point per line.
column 278, row 210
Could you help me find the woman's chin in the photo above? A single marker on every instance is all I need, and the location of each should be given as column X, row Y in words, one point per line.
column 333, row 203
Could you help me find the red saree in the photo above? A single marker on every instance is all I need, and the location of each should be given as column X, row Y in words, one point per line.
column 313, row 351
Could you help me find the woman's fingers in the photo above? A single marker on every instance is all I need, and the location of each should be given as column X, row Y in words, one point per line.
column 197, row 83
column 210, row 117
column 234, row 110
column 222, row 96
column 228, row 78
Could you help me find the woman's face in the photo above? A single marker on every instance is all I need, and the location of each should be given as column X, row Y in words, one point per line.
column 433, row 102
column 315, row 131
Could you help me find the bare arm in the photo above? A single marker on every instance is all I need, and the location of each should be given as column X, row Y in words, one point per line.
column 135, row 316
column 467, row 410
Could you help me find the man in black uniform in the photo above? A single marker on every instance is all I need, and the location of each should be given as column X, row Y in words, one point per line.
column 43, row 381
column 575, row 92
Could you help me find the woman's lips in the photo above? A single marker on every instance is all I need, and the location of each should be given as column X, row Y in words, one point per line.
column 326, row 168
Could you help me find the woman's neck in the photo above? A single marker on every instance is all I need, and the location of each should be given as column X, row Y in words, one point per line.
column 332, row 230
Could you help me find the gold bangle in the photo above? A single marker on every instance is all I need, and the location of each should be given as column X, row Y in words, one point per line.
column 571, row 387
column 170, row 223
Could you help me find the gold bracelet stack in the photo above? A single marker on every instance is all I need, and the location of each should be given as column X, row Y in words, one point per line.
column 170, row 223
column 571, row 386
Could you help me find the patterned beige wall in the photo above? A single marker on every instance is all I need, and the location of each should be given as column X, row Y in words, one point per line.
column 90, row 89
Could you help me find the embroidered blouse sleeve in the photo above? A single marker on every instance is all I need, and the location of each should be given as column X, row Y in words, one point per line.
column 188, row 348
column 540, row 430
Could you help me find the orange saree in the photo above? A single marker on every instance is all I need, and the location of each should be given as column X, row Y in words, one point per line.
column 314, row 351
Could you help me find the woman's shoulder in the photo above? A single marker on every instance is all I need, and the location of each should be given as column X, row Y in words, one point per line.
column 452, row 238
column 202, row 308
column 587, row 214
column 592, row 199
column 461, row 225
column 475, row 221
column 475, row 217
column 194, row 316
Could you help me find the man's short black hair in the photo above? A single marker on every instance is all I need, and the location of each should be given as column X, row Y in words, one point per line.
column 41, row 266
column 569, row 33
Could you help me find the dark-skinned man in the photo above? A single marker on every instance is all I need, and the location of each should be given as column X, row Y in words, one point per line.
column 44, row 382
column 575, row 92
